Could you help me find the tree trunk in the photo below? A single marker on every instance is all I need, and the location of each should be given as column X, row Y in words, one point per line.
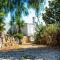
column 19, row 29
column 0, row 34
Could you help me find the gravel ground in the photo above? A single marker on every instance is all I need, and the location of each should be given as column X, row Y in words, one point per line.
column 31, row 54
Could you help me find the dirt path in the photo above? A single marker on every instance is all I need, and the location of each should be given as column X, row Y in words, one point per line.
column 21, row 46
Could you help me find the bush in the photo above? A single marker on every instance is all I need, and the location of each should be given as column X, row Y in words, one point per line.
column 52, row 31
column 49, row 35
column 19, row 36
column 39, row 34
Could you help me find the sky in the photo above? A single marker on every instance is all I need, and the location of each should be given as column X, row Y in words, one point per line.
column 28, row 19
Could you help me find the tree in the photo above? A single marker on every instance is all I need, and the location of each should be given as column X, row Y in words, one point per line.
column 36, row 4
column 20, row 8
column 20, row 23
column 1, row 26
column 49, row 34
column 12, row 21
column 2, row 14
column 52, row 14
column 4, row 7
column 52, row 20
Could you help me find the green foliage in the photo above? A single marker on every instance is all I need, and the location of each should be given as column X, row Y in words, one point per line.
column 16, row 25
column 20, row 23
column 18, row 18
column 2, row 14
column 36, row 5
column 1, row 25
column 39, row 33
column 49, row 35
column 20, row 36
column 51, row 28
column 52, row 20
column 52, row 14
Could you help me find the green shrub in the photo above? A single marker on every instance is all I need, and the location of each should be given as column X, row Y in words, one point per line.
column 19, row 37
column 49, row 35
column 39, row 34
column 52, row 31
